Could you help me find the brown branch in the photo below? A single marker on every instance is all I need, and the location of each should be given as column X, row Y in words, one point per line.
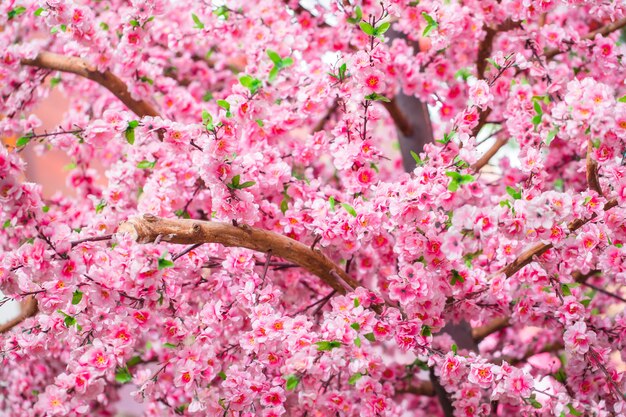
column 527, row 256
column 484, row 160
column 320, row 125
column 486, row 45
column 592, row 170
column 479, row 333
column 398, row 117
column 28, row 309
column 604, row 31
column 148, row 228
column 75, row 65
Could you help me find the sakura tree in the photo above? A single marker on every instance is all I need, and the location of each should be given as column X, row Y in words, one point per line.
column 243, row 239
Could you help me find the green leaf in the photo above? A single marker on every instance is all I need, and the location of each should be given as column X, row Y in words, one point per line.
column 514, row 193
column 251, row 83
column 246, row 184
column 16, row 11
column 357, row 302
column 356, row 326
column 456, row 277
column 354, row 378
column 222, row 375
column 6, row 224
column 537, row 107
column 431, row 24
column 208, row 96
column 286, row 62
column 586, row 302
column 39, row 11
column 146, row 164
column 276, row 59
column 134, row 23
column 332, row 202
column 260, row 122
column 574, row 411
column 463, row 73
column 349, row 209
column 69, row 321
column 169, row 345
column 100, row 206
column 76, row 297
column 222, row 12
column 367, row 28
column 453, row 186
column 122, row 375
column 377, row 97
column 565, row 289
column 466, row 179
column 104, row 26
column 622, row 99
column 326, row 345
column 292, row 382
column 196, row 20
column 23, row 141
column 54, row 81
column 358, row 16
column 45, row 209
column 135, row 360
column 182, row 214
column 357, row 342
column 284, row 206
column 224, row 104
column 454, row 348
column 370, row 336
column 551, row 135
column 382, row 28
column 535, row 403
column 130, row 131
column 273, row 74
column 164, row 263
column 426, row 331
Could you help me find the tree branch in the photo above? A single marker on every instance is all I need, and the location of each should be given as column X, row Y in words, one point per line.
column 398, row 117
column 592, row 170
column 147, row 228
column 74, row 65
column 28, row 309
column 604, row 31
column 484, row 160
column 479, row 333
column 527, row 256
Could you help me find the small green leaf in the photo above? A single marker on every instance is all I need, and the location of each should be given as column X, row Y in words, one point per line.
column 45, row 209
column 463, row 73
column 454, row 348
column 513, row 193
column 146, row 164
column 39, row 11
column 377, row 97
column 354, row 378
column 104, row 26
column 135, row 360
column 208, row 96
column 326, row 345
column 222, row 12
column 276, row 59
column 251, row 83
column 431, row 24
column 349, row 209
column 169, row 345
column 356, row 326
column 574, row 411
column 164, row 263
column 332, row 202
column 357, row 342
column 551, row 135
column 382, row 28
column 16, row 11
column 292, row 382
column 196, row 20
column 122, row 375
column 224, row 104
column 273, row 74
column 535, row 403
column 456, row 277
column 370, row 336
column 6, row 224
column 182, row 214
column 286, row 62
column 100, row 206
column 134, row 23
column 565, row 289
column 358, row 16
column 426, row 331
column 76, row 297
column 622, row 99
column 222, row 375
column 357, row 302
column 23, row 141
column 130, row 131
column 284, row 206
column 367, row 28
column 246, row 184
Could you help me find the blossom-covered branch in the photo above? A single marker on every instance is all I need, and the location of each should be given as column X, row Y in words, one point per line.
column 78, row 66
column 149, row 228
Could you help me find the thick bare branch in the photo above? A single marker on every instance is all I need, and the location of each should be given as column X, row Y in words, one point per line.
column 108, row 80
column 148, row 228
column 28, row 309
column 479, row 333
column 484, row 160
column 398, row 117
